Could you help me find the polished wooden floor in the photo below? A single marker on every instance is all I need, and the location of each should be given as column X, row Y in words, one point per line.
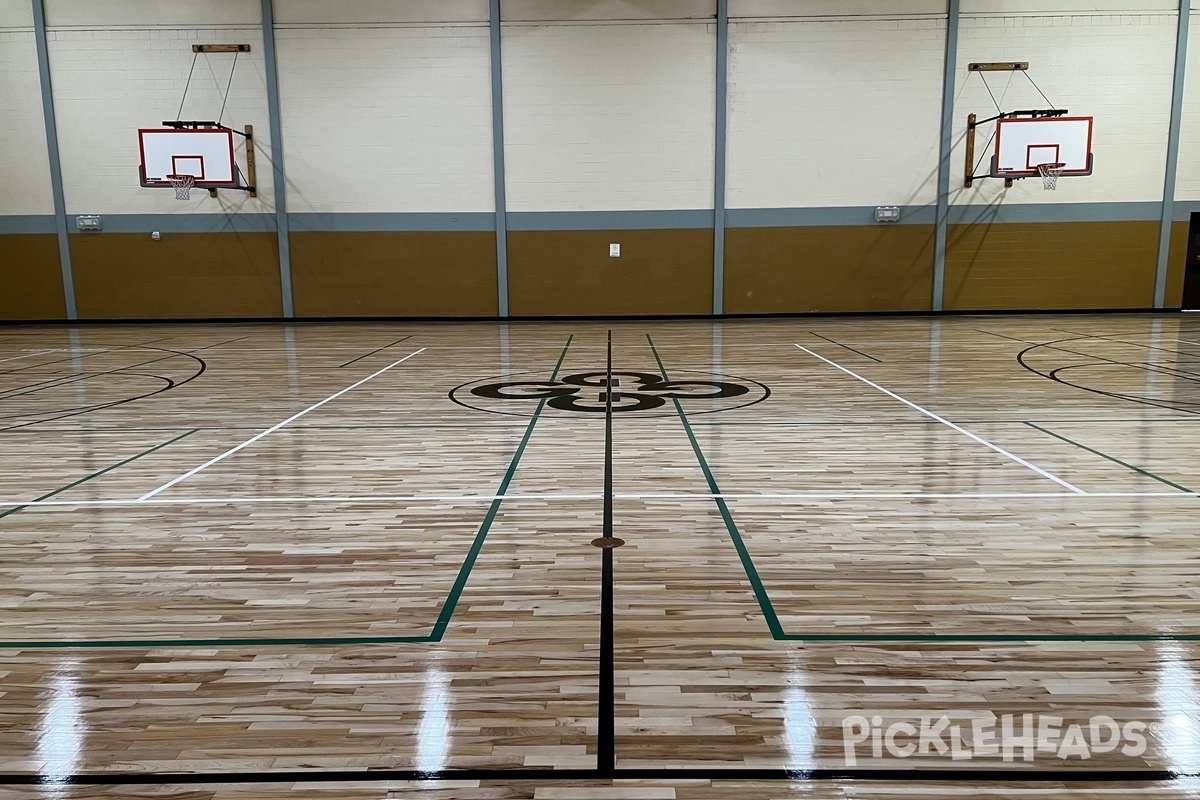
column 260, row 561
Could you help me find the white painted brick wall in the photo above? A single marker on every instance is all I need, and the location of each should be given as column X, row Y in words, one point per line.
column 1115, row 68
column 834, row 113
column 16, row 14
column 110, row 82
column 579, row 10
column 1075, row 7
column 371, row 12
column 766, row 9
column 1187, row 185
column 609, row 116
column 110, row 14
column 24, row 165
column 390, row 119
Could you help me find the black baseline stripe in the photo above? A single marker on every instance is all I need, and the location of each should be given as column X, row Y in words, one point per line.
column 606, row 755
column 905, row 776
column 846, row 346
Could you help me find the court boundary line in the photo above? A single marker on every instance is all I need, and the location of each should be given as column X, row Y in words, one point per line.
column 273, row 428
column 1113, row 459
column 378, row 349
column 913, row 775
column 437, row 632
column 946, row 422
column 774, row 625
column 15, row 508
column 756, row 584
column 797, row 497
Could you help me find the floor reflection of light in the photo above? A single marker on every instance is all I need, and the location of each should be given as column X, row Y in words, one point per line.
column 433, row 734
column 60, row 732
column 799, row 726
column 1179, row 703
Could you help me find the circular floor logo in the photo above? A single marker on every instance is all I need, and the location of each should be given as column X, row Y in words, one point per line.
column 519, row 394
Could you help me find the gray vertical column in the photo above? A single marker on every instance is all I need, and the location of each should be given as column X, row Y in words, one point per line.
column 719, row 162
column 498, row 161
column 282, row 227
column 1168, row 204
column 56, row 179
column 944, row 151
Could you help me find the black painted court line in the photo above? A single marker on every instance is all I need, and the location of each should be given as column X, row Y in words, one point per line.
column 606, row 756
column 82, row 354
column 65, row 380
column 903, row 776
column 373, row 352
column 847, row 347
column 1132, row 344
column 76, row 412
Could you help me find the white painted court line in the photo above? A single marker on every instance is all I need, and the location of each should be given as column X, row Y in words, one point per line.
column 682, row 496
column 272, row 429
column 27, row 355
column 948, row 423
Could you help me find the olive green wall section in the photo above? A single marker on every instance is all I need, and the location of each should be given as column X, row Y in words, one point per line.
column 570, row 273
column 31, row 277
column 1049, row 266
column 828, row 268
column 394, row 273
column 184, row 276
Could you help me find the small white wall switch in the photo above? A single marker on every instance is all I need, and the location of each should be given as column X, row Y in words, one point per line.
column 155, row 236
column 89, row 222
column 614, row 250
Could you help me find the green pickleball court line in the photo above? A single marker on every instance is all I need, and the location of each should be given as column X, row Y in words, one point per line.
column 772, row 617
column 439, row 628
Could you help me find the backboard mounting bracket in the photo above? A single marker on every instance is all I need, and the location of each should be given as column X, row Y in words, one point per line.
column 220, row 48
column 998, row 66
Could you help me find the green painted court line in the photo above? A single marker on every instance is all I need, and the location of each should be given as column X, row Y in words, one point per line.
column 1113, row 459
column 776, row 627
column 194, row 643
column 867, row 638
column 760, row 592
column 104, row 471
column 439, row 628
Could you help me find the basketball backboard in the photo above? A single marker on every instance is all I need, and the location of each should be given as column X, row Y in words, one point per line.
column 1023, row 143
column 206, row 155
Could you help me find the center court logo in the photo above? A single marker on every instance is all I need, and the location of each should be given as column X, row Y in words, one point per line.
column 519, row 394
column 1010, row 737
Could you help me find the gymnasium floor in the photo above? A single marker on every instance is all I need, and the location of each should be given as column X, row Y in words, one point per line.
column 357, row 560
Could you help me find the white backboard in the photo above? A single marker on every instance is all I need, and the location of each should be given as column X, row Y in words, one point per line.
column 206, row 155
column 1024, row 142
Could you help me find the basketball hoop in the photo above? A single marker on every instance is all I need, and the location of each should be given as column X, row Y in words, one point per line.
column 182, row 184
column 1050, row 173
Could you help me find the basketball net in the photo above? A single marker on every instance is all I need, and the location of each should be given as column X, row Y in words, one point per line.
column 1050, row 173
column 182, row 184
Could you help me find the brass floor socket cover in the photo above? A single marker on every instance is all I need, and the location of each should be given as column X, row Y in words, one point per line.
column 607, row 542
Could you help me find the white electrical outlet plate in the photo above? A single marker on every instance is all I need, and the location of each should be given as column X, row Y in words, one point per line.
column 614, row 251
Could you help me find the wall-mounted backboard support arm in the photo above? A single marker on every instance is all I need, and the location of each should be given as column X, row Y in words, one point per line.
column 971, row 124
column 251, row 170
